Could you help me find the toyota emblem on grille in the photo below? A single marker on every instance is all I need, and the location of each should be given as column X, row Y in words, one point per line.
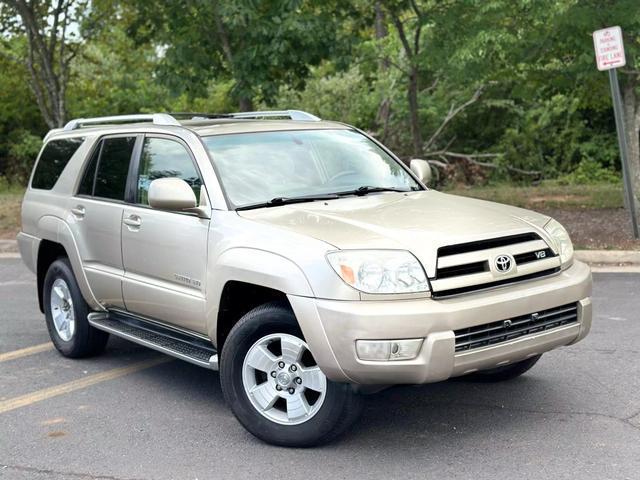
column 503, row 263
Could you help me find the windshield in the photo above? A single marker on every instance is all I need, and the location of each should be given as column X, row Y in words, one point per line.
column 257, row 167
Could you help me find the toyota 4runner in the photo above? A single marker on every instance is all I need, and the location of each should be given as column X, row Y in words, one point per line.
column 299, row 257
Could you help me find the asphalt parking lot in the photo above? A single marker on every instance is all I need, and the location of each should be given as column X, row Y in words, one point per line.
column 135, row 414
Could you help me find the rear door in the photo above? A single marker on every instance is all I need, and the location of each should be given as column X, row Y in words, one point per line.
column 165, row 253
column 96, row 213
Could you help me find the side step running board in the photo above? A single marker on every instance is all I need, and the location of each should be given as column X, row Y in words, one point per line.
column 172, row 342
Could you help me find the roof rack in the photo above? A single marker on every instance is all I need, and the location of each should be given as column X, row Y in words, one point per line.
column 169, row 118
column 292, row 114
column 155, row 118
column 199, row 115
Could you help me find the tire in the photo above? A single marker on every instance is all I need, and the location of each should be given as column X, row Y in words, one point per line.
column 328, row 414
column 67, row 321
column 504, row 373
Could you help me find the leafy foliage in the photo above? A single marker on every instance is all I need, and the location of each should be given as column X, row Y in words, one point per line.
column 23, row 150
column 449, row 80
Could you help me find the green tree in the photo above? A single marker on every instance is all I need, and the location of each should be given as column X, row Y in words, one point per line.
column 51, row 45
column 258, row 45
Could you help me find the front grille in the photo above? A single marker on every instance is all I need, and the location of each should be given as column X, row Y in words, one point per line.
column 505, row 330
column 469, row 267
column 498, row 283
column 486, row 244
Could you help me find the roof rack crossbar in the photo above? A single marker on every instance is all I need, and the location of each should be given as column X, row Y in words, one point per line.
column 169, row 119
column 292, row 114
column 199, row 115
column 155, row 118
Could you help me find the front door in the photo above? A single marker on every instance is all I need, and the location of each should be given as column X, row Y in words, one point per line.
column 96, row 217
column 165, row 253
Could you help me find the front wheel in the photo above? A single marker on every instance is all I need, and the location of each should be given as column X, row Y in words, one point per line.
column 274, row 386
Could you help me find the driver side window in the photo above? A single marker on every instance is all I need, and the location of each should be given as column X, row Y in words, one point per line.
column 164, row 158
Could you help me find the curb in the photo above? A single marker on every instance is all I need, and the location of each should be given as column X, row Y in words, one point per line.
column 609, row 257
column 8, row 246
column 593, row 257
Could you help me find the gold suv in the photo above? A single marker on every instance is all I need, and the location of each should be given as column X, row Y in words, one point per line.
column 299, row 257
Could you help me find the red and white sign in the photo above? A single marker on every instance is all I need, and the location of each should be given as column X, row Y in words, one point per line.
column 609, row 48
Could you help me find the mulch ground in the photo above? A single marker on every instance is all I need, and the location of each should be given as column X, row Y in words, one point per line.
column 602, row 229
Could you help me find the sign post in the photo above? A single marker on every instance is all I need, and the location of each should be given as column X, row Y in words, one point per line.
column 610, row 56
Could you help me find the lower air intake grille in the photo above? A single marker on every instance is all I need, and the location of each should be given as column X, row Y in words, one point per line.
column 506, row 330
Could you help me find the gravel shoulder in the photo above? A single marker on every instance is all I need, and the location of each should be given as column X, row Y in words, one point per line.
column 597, row 229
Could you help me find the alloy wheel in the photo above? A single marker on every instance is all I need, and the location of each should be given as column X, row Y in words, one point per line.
column 62, row 310
column 282, row 380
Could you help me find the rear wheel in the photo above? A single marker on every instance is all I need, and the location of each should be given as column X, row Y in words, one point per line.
column 66, row 314
column 275, row 387
column 505, row 372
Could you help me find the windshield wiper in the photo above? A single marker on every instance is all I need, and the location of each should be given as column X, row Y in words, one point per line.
column 277, row 201
column 366, row 189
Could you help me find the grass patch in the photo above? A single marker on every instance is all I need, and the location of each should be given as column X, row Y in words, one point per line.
column 549, row 196
column 10, row 201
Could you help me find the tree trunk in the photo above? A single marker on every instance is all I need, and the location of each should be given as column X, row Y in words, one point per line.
column 412, row 96
column 384, row 109
column 381, row 32
column 245, row 104
column 632, row 123
column 45, row 60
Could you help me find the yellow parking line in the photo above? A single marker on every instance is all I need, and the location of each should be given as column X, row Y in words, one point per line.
column 45, row 393
column 43, row 347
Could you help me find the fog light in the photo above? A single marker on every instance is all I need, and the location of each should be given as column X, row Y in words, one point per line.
column 385, row 350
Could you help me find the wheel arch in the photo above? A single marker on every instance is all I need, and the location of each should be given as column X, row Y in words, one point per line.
column 244, row 278
column 57, row 240
column 238, row 299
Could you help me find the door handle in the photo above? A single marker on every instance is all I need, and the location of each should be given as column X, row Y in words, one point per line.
column 133, row 221
column 78, row 211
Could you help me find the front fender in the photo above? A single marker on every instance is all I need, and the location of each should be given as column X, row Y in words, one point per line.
column 254, row 266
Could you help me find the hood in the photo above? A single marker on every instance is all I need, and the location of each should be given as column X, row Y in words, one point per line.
column 420, row 222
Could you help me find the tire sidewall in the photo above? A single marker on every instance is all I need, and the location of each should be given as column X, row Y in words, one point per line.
column 249, row 330
column 62, row 269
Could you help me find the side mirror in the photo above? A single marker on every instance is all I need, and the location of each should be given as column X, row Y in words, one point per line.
column 422, row 169
column 171, row 194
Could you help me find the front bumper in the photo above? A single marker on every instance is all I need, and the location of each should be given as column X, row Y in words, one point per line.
column 332, row 327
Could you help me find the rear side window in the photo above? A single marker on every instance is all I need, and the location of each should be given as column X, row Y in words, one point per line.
column 86, row 187
column 113, row 167
column 54, row 158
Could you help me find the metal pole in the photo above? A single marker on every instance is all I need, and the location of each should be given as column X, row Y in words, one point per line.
column 624, row 152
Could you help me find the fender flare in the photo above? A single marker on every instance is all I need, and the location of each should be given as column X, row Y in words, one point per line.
column 254, row 266
column 56, row 230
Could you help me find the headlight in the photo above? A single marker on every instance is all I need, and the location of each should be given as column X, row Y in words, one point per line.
column 380, row 271
column 561, row 239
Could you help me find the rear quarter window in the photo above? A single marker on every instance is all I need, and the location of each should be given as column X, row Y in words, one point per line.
column 53, row 159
